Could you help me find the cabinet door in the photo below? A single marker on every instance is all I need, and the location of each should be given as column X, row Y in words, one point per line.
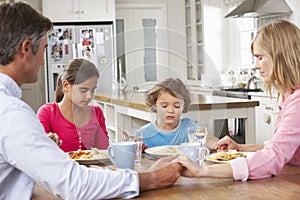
column 204, row 41
column 97, row 10
column 79, row 10
column 61, row 11
column 265, row 117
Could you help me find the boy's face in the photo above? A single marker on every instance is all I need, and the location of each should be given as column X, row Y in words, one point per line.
column 169, row 109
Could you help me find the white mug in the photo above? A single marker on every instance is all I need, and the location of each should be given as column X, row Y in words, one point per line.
column 194, row 151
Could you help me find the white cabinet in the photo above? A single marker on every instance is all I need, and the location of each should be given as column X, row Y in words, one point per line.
column 194, row 33
column 204, row 39
column 265, row 117
column 110, row 119
column 119, row 118
column 79, row 10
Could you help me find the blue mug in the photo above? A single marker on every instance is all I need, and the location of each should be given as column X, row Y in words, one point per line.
column 122, row 154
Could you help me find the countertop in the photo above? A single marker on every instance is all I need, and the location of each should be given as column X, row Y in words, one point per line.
column 198, row 101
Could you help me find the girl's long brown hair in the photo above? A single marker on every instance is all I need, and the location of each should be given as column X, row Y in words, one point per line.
column 75, row 72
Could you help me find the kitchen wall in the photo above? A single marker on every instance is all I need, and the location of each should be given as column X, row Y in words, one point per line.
column 295, row 6
column 176, row 33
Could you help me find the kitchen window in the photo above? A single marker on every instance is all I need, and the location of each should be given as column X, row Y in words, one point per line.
column 247, row 28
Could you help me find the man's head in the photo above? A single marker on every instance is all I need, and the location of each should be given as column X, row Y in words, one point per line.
column 20, row 22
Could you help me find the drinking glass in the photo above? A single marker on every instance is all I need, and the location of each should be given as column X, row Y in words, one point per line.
column 135, row 135
column 197, row 134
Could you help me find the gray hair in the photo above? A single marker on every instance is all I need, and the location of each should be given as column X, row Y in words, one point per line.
column 18, row 22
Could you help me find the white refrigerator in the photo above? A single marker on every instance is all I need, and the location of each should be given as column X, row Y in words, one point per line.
column 93, row 41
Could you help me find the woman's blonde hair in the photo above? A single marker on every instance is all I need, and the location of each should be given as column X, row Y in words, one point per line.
column 174, row 87
column 281, row 40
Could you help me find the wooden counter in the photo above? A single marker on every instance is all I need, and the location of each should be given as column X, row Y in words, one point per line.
column 198, row 102
column 285, row 186
column 121, row 113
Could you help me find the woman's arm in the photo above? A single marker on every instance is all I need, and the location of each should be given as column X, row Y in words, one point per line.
column 250, row 147
column 191, row 169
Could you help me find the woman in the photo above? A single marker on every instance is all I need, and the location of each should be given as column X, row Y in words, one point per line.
column 78, row 124
column 277, row 51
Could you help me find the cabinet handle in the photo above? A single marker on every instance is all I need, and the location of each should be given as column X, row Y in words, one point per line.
column 267, row 118
column 77, row 12
column 82, row 12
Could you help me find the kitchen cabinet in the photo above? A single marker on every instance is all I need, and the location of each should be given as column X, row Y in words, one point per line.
column 194, row 24
column 117, row 118
column 110, row 119
column 79, row 10
column 132, row 112
column 265, row 117
column 204, row 39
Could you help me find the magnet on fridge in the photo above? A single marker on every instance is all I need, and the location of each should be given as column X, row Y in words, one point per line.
column 103, row 60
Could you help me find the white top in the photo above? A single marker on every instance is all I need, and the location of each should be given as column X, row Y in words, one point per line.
column 27, row 156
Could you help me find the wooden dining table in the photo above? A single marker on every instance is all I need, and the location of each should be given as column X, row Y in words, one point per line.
column 285, row 186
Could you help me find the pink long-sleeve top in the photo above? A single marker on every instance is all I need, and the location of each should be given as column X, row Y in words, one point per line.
column 283, row 148
column 93, row 134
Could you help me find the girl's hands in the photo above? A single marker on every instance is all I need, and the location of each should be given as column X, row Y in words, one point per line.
column 55, row 138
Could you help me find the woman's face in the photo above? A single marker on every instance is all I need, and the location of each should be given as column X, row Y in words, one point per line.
column 263, row 63
column 169, row 109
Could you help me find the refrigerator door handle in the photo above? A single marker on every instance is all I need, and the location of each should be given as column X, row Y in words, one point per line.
column 74, row 48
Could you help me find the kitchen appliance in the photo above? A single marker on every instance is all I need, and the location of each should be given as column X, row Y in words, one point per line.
column 260, row 8
column 92, row 41
column 235, row 127
column 242, row 93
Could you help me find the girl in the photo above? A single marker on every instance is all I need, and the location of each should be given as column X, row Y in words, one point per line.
column 78, row 124
column 277, row 49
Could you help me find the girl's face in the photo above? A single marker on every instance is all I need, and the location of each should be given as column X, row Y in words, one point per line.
column 264, row 62
column 169, row 110
column 82, row 94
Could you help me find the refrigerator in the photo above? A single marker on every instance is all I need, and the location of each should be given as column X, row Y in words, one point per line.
column 93, row 41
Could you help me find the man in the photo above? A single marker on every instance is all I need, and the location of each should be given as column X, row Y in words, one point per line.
column 27, row 155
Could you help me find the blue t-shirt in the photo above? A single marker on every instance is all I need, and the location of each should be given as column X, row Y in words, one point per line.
column 153, row 136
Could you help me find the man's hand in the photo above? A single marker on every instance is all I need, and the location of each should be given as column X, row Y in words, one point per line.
column 163, row 173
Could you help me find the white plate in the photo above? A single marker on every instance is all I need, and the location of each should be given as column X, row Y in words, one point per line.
column 100, row 158
column 161, row 151
column 211, row 157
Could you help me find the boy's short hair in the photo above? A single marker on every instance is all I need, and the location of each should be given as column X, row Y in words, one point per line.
column 175, row 87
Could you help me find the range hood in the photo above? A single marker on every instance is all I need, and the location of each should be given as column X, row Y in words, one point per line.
column 260, row 8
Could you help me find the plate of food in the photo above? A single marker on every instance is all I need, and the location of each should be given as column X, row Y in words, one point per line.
column 90, row 157
column 225, row 156
column 161, row 151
